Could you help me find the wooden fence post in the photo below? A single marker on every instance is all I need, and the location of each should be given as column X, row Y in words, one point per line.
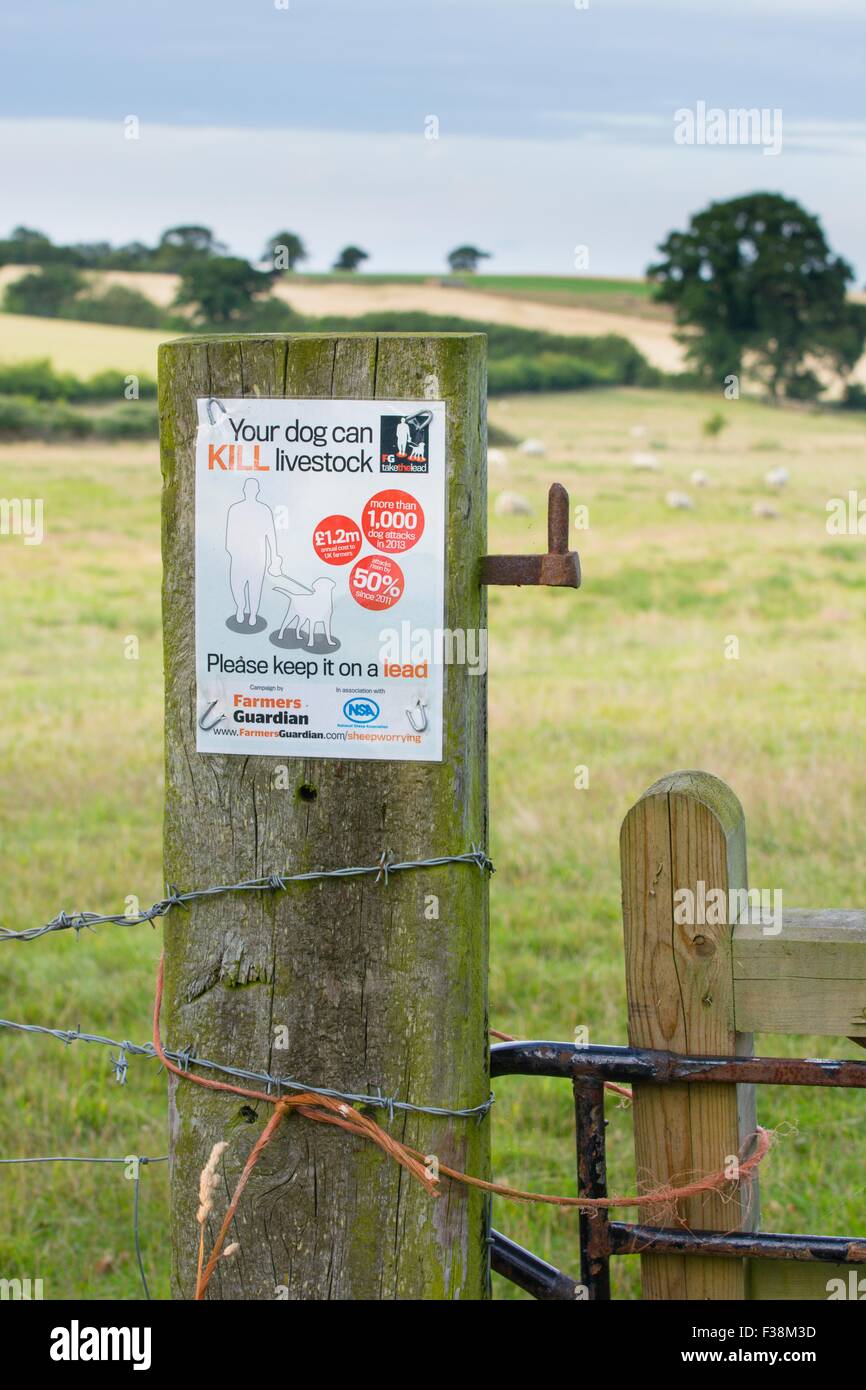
column 687, row 832
column 373, row 986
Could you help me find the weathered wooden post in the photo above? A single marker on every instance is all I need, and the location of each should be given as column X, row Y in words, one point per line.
column 348, row 983
column 682, row 842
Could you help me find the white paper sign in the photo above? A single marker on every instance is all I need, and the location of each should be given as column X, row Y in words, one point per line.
column 320, row 578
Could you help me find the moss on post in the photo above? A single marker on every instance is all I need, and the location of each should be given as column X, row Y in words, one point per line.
column 370, row 991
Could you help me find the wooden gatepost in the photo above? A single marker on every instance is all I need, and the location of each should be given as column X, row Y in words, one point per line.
column 363, row 983
column 686, row 830
column 703, row 987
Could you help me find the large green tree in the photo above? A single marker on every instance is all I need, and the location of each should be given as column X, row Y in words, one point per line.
column 221, row 288
column 754, row 277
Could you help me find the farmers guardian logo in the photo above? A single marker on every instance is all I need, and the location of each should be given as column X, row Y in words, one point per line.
column 404, row 443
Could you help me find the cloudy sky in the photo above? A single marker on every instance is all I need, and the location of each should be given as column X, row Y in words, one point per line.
column 555, row 121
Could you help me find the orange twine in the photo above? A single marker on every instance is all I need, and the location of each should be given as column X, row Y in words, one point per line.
column 328, row 1110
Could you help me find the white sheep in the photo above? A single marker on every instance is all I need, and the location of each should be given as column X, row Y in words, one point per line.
column 700, row 478
column 497, row 458
column 512, row 504
column 680, row 501
column 777, row 477
column 532, row 446
column 647, row 462
column 766, row 510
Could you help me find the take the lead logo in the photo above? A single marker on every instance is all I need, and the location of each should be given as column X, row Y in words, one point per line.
column 404, row 443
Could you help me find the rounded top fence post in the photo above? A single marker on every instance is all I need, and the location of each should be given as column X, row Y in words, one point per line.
column 346, row 983
column 683, row 852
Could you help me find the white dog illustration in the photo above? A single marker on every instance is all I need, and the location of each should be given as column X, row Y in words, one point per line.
column 312, row 608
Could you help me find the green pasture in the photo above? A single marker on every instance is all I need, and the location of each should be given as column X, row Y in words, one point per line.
column 81, row 348
column 544, row 284
column 569, row 284
column 628, row 677
column 633, row 297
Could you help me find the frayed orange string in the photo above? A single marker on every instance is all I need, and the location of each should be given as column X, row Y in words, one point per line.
column 328, row 1110
column 712, row 1182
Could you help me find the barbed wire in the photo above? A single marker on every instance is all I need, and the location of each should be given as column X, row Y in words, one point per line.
column 86, row 1158
column 187, row 1058
column 124, row 1049
column 385, row 866
column 140, row 1161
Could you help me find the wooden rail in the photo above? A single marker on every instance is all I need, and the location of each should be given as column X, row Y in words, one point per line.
column 810, row 978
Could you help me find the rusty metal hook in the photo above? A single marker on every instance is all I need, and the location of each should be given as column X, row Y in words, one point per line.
column 560, row 567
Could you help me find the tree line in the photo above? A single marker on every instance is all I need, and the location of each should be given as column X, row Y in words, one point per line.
column 179, row 247
column 752, row 282
column 216, row 289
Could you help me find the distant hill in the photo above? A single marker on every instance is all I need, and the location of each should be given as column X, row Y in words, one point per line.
column 570, row 306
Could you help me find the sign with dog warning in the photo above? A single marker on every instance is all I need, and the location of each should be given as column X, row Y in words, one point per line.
column 320, row 578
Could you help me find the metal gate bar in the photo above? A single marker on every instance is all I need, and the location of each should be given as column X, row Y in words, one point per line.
column 600, row 1238
column 646, row 1064
column 626, row 1239
column 529, row 1271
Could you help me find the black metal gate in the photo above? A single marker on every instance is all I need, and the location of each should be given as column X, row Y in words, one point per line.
column 589, row 1068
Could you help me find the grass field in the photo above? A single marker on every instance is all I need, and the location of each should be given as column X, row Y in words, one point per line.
column 160, row 286
column 566, row 284
column 627, row 297
column 82, row 348
column 593, row 291
column 570, row 305
column 628, row 676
